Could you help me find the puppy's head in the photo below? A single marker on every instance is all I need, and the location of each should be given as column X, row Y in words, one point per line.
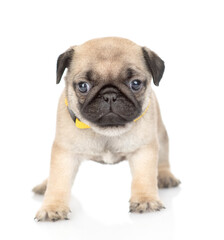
column 108, row 82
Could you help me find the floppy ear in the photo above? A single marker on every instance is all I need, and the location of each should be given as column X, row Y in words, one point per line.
column 154, row 64
column 63, row 62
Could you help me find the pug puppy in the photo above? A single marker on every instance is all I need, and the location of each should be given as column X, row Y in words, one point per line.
column 108, row 113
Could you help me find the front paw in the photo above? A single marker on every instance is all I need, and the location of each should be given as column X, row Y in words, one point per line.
column 52, row 213
column 146, row 206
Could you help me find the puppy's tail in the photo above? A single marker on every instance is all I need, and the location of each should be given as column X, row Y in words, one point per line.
column 41, row 188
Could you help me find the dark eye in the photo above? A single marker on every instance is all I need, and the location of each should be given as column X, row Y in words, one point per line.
column 136, row 85
column 83, row 87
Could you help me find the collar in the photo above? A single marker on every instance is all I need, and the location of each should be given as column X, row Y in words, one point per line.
column 82, row 125
column 77, row 122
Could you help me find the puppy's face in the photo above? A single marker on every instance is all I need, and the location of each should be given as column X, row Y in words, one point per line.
column 108, row 82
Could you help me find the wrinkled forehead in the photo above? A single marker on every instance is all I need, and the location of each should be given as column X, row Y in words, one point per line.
column 107, row 59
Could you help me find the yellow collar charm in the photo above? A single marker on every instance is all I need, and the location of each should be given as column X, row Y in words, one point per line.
column 82, row 125
column 78, row 123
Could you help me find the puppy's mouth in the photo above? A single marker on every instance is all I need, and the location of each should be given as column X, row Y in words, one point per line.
column 111, row 119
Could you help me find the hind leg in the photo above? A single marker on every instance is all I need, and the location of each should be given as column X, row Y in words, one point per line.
column 41, row 188
column 165, row 177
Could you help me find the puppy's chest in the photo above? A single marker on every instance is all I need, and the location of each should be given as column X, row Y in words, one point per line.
column 105, row 154
column 110, row 151
column 109, row 157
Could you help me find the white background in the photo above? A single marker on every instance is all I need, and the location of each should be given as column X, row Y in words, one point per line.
column 188, row 35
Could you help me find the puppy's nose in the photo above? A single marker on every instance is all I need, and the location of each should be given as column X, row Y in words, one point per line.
column 110, row 97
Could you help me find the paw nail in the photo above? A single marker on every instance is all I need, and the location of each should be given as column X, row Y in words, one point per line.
column 148, row 206
column 36, row 220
